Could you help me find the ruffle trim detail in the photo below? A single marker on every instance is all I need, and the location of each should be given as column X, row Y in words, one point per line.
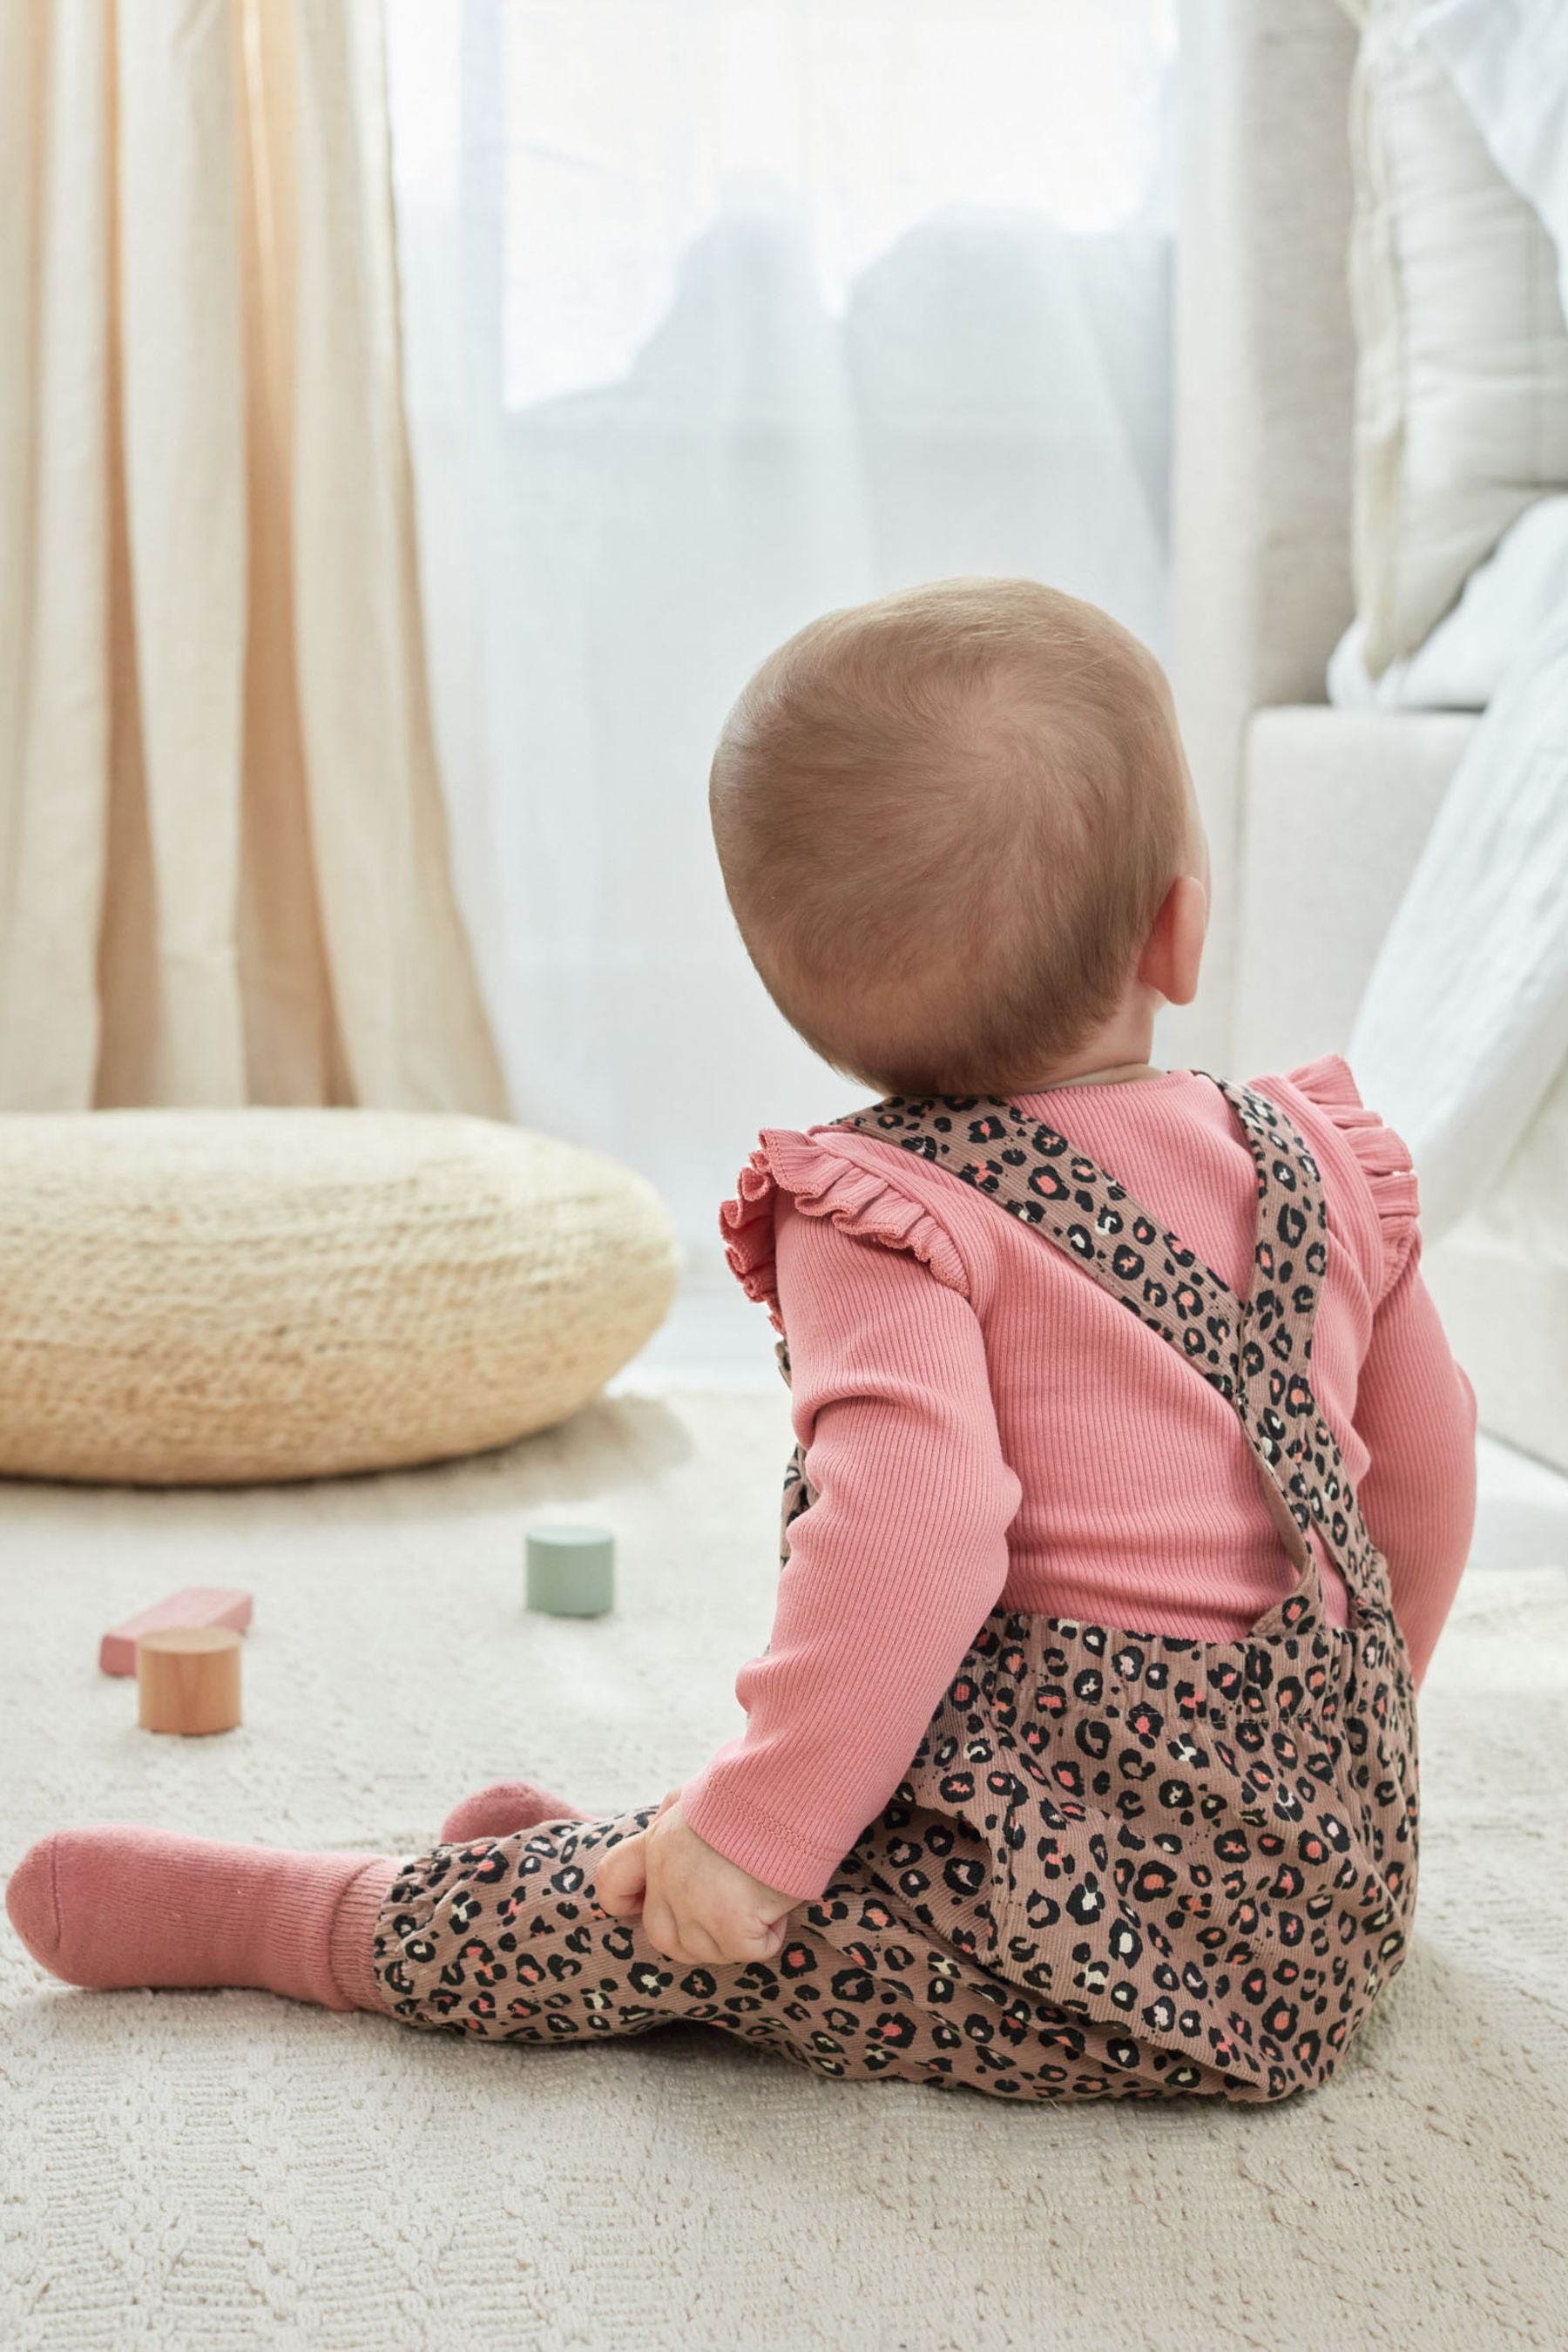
column 1383, row 1156
column 821, row 1183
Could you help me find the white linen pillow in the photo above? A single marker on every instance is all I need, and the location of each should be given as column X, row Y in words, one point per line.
column 1462, row 374
column 1506, row 603
column 1509, row 62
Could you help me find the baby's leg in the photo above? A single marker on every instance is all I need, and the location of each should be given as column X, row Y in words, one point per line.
column 501, row 1940
column 429, row 1940
column 499, row 1937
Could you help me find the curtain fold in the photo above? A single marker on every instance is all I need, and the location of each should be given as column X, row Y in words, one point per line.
column 54, row 699
column 223, row 855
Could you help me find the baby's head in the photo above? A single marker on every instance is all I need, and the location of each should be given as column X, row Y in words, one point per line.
column 948, row 823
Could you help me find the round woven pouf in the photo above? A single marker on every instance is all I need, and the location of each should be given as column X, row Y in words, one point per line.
column 211, row 1298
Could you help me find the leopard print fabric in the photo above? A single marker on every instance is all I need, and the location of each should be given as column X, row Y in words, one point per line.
column 1121, row 1864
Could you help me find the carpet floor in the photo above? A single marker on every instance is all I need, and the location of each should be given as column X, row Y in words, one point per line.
column 228, row 2169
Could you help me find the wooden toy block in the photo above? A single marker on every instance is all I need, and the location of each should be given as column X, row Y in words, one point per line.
column 570, row 1571
column 187, row 1679
column 198, row 1604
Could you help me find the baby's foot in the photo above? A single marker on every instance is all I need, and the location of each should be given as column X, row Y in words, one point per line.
column 112, row 1907
column 503, row 1808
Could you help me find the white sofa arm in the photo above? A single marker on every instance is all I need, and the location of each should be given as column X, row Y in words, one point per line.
column 1265, row 363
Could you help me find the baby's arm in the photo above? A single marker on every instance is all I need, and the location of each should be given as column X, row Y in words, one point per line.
column 1417, row 1411
column 891, row 1572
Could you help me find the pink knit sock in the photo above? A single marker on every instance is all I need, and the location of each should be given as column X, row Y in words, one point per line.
column 110, row 1907
column 503, row 1808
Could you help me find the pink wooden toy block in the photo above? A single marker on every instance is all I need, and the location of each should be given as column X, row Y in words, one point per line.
column 198, row 1604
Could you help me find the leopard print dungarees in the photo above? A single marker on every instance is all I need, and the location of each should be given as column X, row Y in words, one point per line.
column 1121, row 1864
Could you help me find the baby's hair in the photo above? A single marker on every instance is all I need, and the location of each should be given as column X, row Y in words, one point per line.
column 946, row 821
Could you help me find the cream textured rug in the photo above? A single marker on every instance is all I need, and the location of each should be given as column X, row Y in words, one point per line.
column 226, row 2170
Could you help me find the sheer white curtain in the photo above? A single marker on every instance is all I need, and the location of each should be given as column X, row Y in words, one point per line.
column 718, row 313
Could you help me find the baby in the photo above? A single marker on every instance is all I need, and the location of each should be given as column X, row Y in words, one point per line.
column 1082, row 1760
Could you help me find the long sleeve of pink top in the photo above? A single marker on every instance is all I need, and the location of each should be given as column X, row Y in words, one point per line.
column 889, row 1572
column 982, row 1424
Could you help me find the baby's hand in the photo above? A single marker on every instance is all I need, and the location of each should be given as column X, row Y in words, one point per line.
column 694, row 1905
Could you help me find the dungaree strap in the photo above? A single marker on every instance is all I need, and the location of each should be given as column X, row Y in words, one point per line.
column 1256, row 1352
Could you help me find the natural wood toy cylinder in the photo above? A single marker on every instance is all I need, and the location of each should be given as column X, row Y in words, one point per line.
column 187, row 1679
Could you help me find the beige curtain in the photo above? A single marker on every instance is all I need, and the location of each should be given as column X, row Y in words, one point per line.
column 223, row 858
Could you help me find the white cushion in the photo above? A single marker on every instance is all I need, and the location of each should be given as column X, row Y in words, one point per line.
column 1338, row 803
column 214, row 1297
column 1507, row 602
column 1462, row 376
column 1338, row 806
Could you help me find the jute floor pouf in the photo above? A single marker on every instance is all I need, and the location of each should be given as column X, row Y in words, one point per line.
column 209, row 1298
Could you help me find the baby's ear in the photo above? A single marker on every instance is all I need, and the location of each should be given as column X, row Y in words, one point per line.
column 1174, row 951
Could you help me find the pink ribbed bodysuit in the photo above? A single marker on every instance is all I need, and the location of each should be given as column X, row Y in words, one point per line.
column 984, row 1423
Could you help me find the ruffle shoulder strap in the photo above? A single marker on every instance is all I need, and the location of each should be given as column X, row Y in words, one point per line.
column 824, row 1181
column 1381, row 1156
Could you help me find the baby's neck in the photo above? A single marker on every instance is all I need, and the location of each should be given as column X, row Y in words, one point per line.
column 1115, row 1053
column 1117, row 1074
column 1122, row 1073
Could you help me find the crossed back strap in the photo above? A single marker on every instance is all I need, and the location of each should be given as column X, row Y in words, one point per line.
column 1256, row 1352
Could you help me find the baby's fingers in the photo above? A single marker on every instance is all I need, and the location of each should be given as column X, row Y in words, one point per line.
column 683, row 1937
column 736, row 1938
column 621, row 1878
column 766, row 1937
column 658, row 1925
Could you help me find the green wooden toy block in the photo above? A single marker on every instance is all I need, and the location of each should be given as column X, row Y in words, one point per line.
column 570, row 1571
